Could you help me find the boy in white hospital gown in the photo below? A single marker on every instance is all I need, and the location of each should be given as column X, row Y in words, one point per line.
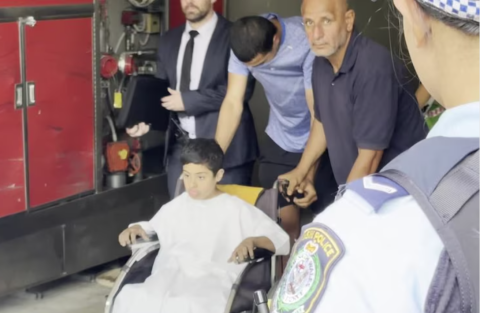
column 205, row 237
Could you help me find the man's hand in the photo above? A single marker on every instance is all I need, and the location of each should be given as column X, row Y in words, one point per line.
column 309, row 194
column 294, row 178
column 138, row 130
column 174, row 102
column 129, row 235
column 244, row 251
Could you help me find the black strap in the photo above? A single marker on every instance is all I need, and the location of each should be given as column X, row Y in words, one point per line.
column 187, row 62
column 458, row 231
column 464, row 180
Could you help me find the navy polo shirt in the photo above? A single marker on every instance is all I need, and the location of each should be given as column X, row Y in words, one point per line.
column 368, row 104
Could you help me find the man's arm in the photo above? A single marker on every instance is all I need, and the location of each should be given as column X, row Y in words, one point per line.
column 308, row 82
column 366, row 163
column 316, row 146
column 232, row 106
column 310, row 103
column 231, row 111
column 202, row 101
column 317, row 142
column 374, row 116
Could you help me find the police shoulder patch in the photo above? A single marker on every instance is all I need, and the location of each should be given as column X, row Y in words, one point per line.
column 313, row 257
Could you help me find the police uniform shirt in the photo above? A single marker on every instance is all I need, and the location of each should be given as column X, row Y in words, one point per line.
column 389, row 256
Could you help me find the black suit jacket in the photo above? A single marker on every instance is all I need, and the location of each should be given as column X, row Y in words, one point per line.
column 205, row 102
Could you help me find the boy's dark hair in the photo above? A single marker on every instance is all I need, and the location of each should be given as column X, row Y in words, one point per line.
column 250, row 36
column 203, row 151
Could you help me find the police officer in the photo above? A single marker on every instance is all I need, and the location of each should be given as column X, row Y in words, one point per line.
column 366, row 256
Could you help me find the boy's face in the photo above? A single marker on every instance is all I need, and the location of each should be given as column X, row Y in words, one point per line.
column 200, row 182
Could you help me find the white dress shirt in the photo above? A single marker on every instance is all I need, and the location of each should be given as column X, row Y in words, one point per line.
column 390, row 256
column 201, row 43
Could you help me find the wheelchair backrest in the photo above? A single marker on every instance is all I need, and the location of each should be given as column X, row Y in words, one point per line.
column 264, row 199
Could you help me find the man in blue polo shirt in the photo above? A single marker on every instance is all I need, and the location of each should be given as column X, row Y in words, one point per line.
column 276, row 52
column 365, row 108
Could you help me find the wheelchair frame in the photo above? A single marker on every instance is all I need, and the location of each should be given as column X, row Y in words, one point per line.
column 137, row 256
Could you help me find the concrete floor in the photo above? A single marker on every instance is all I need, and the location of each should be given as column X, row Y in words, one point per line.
column 68, row 296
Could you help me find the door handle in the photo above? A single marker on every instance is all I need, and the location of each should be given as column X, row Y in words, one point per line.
column 31, row 94
column 29, row 21
column 30, row 86
column 18, row 96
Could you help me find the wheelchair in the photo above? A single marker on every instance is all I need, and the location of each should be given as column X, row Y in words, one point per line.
column 260, row 273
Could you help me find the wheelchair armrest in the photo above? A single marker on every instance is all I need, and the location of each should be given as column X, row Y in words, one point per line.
column 140, row 242
column 260, row 253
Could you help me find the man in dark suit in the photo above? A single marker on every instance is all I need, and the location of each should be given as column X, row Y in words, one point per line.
column 193, row 58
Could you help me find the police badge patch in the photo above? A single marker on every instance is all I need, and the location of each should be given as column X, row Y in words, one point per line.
column 315, row 254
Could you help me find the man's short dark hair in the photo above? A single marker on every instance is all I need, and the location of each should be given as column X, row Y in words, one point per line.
column 250, row 36
column 203, row 151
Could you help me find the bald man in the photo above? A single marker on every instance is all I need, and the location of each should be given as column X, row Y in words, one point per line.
column 364, row 112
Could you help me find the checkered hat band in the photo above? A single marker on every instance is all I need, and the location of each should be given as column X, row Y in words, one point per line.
column 464, row 9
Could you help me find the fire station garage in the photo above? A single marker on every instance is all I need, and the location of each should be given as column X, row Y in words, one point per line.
column 105, row 103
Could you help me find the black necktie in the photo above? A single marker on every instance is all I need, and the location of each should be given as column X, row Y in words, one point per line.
column 187, row 63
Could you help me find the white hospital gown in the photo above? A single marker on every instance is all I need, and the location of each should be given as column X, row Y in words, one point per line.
column 197, row 237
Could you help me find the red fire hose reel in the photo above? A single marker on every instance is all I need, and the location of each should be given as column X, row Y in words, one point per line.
column 108, row 66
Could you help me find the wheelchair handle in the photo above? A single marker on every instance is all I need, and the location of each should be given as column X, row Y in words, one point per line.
column 140, row 241
column 282, row 188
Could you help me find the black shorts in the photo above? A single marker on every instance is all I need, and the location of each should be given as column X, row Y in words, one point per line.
column 274, row 161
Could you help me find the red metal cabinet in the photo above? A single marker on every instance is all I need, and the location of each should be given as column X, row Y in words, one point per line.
column 21, row 3
column 61, row 122
column 12, row 197
column 47, row 103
